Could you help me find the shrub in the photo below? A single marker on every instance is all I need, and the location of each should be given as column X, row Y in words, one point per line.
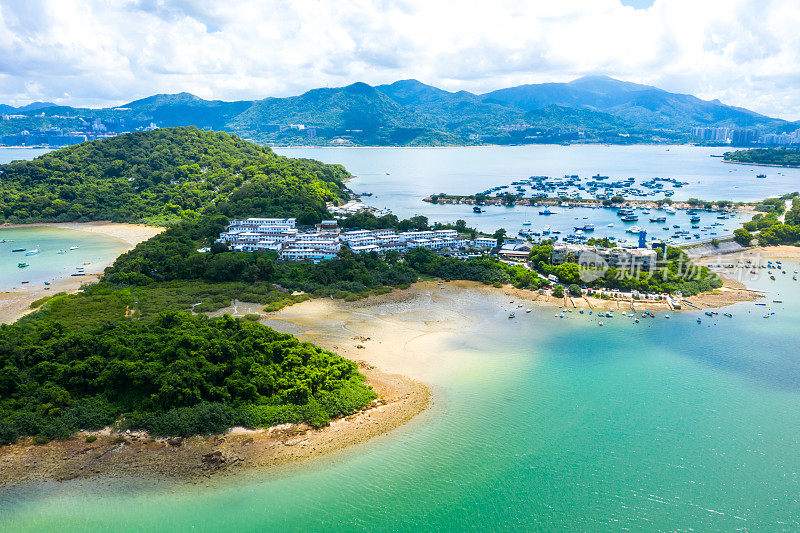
column 8, row 433
column 558, row 291
column 91, row 438
column 575, row 290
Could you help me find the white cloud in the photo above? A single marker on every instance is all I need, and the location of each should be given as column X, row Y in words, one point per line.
column 103, row 52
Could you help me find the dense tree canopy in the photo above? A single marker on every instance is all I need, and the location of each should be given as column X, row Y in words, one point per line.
column 163, row 175
column 766, row 156
column 215, row 372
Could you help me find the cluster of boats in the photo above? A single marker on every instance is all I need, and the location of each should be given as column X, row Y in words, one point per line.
column 597, row 187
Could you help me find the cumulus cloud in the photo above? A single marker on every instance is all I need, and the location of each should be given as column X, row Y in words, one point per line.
column 107, row 52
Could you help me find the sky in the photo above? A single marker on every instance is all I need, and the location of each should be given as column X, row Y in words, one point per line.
column 107, row 52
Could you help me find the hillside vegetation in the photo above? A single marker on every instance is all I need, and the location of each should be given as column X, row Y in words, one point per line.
column 163, row 175
column 408, row 112
column 785, row 157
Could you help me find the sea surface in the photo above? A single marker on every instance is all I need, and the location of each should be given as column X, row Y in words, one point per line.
column 539, row 423
column 400, row 178
column 93, row 250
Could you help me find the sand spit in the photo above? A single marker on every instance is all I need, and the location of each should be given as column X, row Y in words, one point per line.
column 190, row 459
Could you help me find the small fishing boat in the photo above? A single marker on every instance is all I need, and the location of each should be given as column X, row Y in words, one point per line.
column 73, row 247
column 25, row 282
column 698, row 320
column 528, row 310
column 47, row 283
column 78, row 274
column 22, row 265
column 477, row 209
column 61, row 252
column 601, row 323
column 727, row 315
column 18, row 250
column 32, row 252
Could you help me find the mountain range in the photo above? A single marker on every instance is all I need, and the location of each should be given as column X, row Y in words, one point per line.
column 409, row 112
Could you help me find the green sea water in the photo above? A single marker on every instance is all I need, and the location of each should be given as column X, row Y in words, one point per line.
column 93, row 250
column 539, row 423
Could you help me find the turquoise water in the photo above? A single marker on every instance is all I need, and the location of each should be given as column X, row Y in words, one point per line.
column 48, row 264
column 539, row 423
column 415, row 173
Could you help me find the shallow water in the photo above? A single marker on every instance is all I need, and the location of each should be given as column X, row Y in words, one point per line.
column 48, row 264
column 539, row 422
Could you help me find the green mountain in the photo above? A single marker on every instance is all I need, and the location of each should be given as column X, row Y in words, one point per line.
column 409, row 112
column 641, row 105
column 166, row 174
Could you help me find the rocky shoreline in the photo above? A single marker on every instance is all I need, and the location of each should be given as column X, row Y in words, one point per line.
column 191, row 459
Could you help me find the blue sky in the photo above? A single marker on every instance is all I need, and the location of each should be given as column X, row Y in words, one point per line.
column 107, row 52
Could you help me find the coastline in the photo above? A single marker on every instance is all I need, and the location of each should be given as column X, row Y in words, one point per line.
column 15, row 303
column 195, row 458
column 399, row 341
column 758, row 164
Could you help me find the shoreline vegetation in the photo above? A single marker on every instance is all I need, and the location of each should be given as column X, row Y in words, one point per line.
column 149, row 347
column 770, row 157
column 396, row 338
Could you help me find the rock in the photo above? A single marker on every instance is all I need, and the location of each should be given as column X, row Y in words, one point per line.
column 175, row 441
column 214, row 458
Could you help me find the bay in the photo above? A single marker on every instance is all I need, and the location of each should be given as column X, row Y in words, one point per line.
column 539, row 423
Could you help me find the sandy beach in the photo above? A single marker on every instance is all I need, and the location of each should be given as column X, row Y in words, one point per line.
column 400, row 341
column 16, row 303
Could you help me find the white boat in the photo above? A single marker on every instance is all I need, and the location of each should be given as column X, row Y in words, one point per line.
column 32, row 252
column 61, row 252
column 611, row 225
column 526, row 223
column 546, row 230
column 73, row 247
column 670, row 211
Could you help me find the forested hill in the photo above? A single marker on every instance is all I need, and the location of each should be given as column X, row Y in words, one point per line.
column 409, row 112
column 785, row 157
column 163, row 175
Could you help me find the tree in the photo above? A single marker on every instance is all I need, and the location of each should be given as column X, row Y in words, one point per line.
column 743, row 237
column 575, row 290
column 558, row 291
column 500, row 235
column 617, row 199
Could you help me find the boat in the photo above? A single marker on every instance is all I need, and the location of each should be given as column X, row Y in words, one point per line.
column 78, row 274
column 670, row 211
column 727, row 315
column 526, row 223
column 547, row 212
column 47, row 283
column 25, row 282
column 512, row 315
column 73, row 247
column 761, row 176
column 546, row 230
column 630, row 218
column 694, row 218
column 475, row 209
column 658, row 219
column 32, row 252
column 18, row 250
column 601, row 323
column 61, row 252
column 528, row 310
column 22, row 265
column 698, row 320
